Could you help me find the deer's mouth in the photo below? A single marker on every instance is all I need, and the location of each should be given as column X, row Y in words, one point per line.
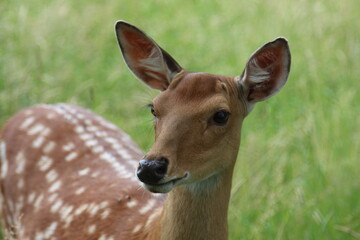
column 167, row 186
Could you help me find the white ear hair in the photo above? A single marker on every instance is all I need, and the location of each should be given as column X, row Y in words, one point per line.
column 267, row 70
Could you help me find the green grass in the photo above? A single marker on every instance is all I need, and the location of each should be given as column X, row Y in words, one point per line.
column 297, row 175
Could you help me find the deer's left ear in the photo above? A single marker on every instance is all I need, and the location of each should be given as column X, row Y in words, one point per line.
column 266, row 71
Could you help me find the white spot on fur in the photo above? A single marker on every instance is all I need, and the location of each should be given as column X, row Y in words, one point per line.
column 71, row 156
column 91, row 143
column 38, row 142
column 81, row 209
column 93, row 209
column 68, row 147
column 80, row 190
column 95, row 174
column 125, row 154
column 4, row 162
column 102, row 237
column 137, row 228
column 44, row 163
column 52, row 197
column 79, row 129
column 55, row 186
column 41, row 138
column 151, row 203
column 88, row 122
column 131, row 203
column 92, row 129
column 68, row 117
column 48, row 233
column 105, row 123
column 111, row 140
column 49, row 147
column 36, row 129
column 27, row 122
column 65, row 211
column 113, row 162
column 84, row 171
column 100, row 134
column 55, row 207
column 85, row 136
column 39, row 236
column 105, row 213
column 38, row 201
column 117, row 146
column 80, row 116
column 31, row 197
column 68, row 220
column 51, row 175
column 103, row 204
column 46, row 132
column 92, row 229
column 50, row 230
column 20, row 162
column 98, row 149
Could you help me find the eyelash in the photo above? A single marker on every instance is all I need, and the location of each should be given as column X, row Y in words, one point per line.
column 151, row 106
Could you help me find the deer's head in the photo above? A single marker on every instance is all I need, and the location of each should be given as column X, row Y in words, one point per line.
column 197, row 116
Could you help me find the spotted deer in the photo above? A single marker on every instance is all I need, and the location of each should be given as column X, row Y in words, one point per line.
column 67, row 173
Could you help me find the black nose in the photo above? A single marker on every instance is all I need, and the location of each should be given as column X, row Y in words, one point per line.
column 152, row 172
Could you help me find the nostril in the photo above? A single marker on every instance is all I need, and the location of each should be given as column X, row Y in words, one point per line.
column 163, row 160
column 161, row 170
column 161, row 166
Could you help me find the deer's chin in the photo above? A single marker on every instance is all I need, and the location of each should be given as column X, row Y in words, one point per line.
column 166, row 185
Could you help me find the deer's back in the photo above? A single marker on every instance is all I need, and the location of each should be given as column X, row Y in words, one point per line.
column 67, row 173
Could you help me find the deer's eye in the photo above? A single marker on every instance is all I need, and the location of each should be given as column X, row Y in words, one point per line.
column 221, row 117
column 152, row 109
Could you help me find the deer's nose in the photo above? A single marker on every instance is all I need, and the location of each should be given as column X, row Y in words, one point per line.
column 151, row 172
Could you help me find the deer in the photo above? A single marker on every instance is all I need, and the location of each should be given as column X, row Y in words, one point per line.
column 67, row 173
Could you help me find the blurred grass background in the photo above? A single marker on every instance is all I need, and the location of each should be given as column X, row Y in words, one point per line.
column 298, row 172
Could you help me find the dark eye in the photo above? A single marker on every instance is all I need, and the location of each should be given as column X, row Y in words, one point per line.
column 152, row 109
column 221, row 117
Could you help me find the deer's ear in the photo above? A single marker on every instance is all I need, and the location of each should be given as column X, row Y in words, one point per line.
column 145, row 58
column 266, row 71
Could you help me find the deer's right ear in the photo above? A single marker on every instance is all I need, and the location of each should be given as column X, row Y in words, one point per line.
column 145, row 58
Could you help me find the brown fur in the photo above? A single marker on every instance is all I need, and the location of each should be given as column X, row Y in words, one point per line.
column 107, row 186
column 78, row 179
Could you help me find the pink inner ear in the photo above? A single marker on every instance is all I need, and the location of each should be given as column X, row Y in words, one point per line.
column 266, row 58
column 270, row 59
column 271, row 56
column 139, row 46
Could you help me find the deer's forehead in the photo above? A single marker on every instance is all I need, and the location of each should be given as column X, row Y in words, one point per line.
column 197, row 88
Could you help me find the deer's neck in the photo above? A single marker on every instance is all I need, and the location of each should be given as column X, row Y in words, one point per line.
column 197, row 211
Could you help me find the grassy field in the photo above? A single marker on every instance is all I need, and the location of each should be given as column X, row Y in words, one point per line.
column 298, row 172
